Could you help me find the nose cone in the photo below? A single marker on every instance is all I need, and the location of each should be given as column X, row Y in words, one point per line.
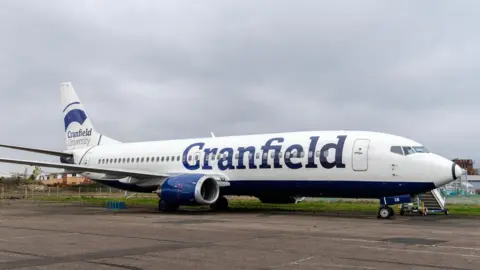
column 456, row 171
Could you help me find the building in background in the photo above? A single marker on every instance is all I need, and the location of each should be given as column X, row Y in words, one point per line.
column 467, row 184
column 467, row 164
column 63, row 179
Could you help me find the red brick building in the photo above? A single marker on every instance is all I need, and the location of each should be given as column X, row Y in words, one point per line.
column 466, row 164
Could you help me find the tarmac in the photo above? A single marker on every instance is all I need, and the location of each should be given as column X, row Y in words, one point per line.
column 69, row 236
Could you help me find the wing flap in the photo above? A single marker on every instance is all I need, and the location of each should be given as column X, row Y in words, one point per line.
column 85, row 168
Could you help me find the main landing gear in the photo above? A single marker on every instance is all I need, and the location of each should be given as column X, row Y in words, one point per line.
column 164, row 207
column 385, row 212
column 220, row 205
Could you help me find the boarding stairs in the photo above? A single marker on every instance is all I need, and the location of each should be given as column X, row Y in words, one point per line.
column 428, row 202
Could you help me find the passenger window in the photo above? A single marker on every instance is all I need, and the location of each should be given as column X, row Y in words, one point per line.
column 178, row 158
column 302, row 154
column 167, row 158
column 325, row 153
column 310, row 154
column 236, row 155
column 257, row 155
column 396, row 150
column 317, row 154
column 279, row 154
column 287, row 155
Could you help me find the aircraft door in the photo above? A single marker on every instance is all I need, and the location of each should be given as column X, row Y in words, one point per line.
column 360, row 154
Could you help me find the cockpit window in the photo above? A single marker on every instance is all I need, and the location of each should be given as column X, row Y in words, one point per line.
column 396, row 150
column 408, row 150
column 420, row 149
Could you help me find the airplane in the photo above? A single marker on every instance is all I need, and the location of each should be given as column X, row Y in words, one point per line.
column 275, row 167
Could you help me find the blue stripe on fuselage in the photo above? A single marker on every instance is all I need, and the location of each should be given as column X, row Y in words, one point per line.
column 321, row 188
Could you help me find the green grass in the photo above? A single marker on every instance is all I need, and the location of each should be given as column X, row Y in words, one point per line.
column 255, row 205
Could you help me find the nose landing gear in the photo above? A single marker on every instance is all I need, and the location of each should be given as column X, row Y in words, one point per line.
column 385, row 212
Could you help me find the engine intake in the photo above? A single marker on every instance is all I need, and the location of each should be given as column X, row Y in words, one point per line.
column 190, row 189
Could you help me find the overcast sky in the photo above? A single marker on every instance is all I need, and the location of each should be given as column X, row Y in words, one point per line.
column 153, row 70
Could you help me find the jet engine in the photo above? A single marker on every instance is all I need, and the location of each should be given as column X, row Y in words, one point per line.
column 189, row 189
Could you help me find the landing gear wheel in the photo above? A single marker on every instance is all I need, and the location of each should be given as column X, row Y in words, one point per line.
column 425, row 211
column 220, row 205
column 446, row 212
column 385, row 212
column 164, row 207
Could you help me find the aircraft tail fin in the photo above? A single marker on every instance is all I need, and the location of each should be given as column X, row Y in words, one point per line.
column 79, row 130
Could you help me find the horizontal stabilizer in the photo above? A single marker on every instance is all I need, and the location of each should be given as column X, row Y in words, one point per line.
column 37, row 150
column 84, row 168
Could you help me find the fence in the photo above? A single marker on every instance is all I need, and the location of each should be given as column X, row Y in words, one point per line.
column 32, row 191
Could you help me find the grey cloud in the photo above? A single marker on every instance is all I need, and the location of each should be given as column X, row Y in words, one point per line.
column 163, row 70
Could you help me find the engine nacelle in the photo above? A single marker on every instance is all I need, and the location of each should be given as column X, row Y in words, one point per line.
column 281, row 199
column 190, row 189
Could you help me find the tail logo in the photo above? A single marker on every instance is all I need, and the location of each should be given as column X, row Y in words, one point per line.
column 75, row 115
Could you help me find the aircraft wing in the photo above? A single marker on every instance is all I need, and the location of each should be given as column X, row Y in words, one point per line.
column 37, row 150
column 85, row 168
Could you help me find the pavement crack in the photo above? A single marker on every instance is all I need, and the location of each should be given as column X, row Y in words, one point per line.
column 116, row 265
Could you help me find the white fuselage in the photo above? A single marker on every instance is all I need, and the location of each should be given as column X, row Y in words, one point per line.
column 299, row 163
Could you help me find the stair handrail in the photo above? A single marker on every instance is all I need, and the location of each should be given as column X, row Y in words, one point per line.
column 439, row 198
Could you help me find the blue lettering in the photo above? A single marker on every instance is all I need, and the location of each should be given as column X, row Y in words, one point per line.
column 311, row 152
column 207, row 154
column 251, row 161
column 338, row 154
column 228, row 159
column 289, row 156
column 196, row 166
column 293, row 155
column 79, row 133
column 268, row 146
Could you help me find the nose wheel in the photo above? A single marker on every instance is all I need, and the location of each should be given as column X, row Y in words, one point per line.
column 386, row 212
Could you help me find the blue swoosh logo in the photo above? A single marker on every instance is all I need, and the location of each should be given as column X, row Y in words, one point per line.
column 75, row 115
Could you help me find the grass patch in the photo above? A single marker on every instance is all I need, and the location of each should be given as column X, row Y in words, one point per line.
column 254, row 204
